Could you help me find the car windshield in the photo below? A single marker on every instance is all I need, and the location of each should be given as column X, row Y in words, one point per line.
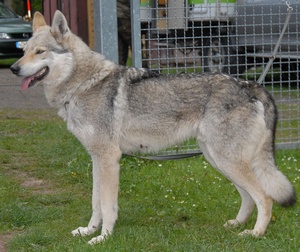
column 6, row 13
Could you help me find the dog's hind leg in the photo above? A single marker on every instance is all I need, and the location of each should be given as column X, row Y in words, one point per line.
column 245, row 211
column 264, row 205
column 242, row 175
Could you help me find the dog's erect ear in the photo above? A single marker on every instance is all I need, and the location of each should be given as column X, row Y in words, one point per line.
column 59, row 26
column 38, row 21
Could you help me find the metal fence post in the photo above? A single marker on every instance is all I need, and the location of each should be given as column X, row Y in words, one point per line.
column 106, row 29
column 136, row 33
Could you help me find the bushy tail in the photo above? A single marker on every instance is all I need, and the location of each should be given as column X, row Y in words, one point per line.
column 279, row 188
column 274, row 182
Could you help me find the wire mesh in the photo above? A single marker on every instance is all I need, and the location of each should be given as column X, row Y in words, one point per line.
column 236, row 37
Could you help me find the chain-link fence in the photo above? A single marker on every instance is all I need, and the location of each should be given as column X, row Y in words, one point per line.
column 236, row 37
column 229, row 36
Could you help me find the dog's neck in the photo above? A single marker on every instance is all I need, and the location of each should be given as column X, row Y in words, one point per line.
column 61, row 98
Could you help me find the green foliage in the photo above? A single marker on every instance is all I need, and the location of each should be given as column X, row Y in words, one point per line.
column 163, row 205
column 20, row 6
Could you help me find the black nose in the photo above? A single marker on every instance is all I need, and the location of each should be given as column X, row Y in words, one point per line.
column 15, row 69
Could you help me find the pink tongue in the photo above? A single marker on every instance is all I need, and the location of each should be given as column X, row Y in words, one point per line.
column 25, row 83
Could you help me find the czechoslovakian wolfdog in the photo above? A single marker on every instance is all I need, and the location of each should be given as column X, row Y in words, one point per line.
column 113, row 109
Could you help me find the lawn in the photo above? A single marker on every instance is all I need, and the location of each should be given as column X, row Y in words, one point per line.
column 7, row 62
column 45, row 192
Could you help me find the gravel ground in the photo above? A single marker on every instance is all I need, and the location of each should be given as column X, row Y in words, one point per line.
column 11, row 95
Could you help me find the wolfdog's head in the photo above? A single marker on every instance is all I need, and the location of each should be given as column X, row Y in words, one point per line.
column 48, row 57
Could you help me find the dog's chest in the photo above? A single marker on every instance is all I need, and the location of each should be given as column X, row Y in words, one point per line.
column 77, row 123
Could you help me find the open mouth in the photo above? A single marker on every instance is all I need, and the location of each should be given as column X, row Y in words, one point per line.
column 31, row 80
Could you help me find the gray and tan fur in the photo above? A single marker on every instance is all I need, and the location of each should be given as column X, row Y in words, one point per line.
column 113, row 110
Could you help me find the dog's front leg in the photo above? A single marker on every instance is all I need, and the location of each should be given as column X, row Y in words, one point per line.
column 109, row 184
column 96, row 218
column 105, row 195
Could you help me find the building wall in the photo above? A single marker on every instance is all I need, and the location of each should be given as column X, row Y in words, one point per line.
column 75, row 12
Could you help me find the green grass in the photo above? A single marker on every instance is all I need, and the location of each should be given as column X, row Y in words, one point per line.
column 7, row 62
column 163, row 206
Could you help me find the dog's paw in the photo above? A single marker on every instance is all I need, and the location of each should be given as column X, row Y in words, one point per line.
column 81, row 231
column 97, row 239
column 248, row 232
column 232, row 224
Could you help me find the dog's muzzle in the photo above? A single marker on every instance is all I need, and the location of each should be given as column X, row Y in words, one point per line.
column 15, row 69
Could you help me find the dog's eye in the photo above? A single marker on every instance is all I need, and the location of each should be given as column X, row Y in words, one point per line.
column 39, row 51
